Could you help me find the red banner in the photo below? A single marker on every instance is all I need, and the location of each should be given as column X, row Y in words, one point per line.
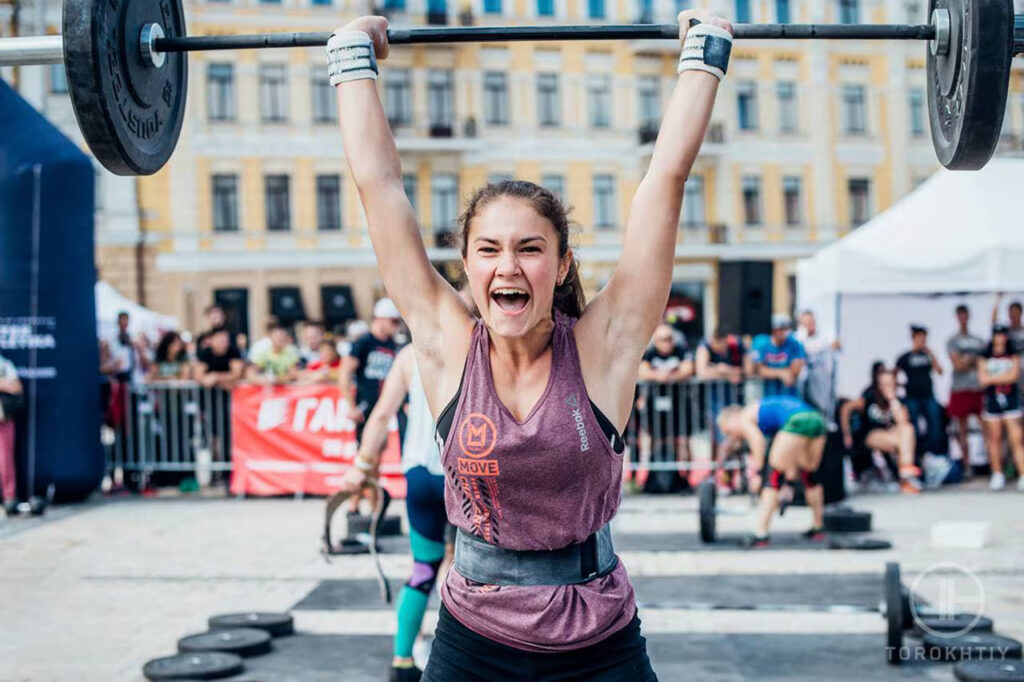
column 289, row 439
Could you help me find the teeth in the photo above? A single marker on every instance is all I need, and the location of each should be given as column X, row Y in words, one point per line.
column 509, row 292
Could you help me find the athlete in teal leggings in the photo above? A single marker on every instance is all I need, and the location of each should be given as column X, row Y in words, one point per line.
column 424, row 501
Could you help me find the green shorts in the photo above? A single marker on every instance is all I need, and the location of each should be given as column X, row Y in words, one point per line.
column 806, row 424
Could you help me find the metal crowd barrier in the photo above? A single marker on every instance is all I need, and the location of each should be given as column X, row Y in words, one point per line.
column 180, row 426
column 170, row 427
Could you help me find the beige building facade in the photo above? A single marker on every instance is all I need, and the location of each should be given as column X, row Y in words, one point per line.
column 256, row 209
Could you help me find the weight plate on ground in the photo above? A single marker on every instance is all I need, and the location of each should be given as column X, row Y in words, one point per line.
column 846, row 542
column 958, row 623
column 975, row 646
column 276, row 624
column 360, row 523
column 238, row 641
column 989, row 671
column 967, row 87
column 707, row 496
column 847, row 521
column 893, row 613
column 209, row 665
column 130, row 113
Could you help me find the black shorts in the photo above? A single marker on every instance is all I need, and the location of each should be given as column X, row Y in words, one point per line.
column 998, row 406
column 460, row 655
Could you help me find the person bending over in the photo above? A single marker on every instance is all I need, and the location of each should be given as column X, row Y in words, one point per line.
column 530, row 397
column 886, row 427
column 797, row 434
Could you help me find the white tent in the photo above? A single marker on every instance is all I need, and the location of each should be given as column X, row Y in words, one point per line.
column 110, row 302
column 955, row 239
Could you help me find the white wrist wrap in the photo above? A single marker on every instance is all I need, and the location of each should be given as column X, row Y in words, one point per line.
column 350, row 57
column 706, row 48
column 362, row 464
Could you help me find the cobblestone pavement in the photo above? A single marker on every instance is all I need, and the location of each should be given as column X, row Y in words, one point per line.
column 92, row 591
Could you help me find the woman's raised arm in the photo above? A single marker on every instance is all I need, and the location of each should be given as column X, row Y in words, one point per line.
column 427, row 302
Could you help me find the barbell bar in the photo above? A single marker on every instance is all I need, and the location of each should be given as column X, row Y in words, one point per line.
column 50, row 50
column 127, row 79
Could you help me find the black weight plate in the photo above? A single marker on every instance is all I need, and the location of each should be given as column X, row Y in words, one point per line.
column 847, row 521
column 989, row 671
column 858, row 543
column 908, row 616
column 967, row 88
column 958, row 623
column 893, row 591
column 707, row 495
column 209, row 665
column 238, row 641
column 275, row 624
column 360, row 523
column 130, row 113
column 976, row 645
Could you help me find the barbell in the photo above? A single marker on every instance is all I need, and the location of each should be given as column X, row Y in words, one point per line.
column 127, row 75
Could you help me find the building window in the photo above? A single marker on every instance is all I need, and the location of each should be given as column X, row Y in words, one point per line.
column 742, row 11
column 273, row 93
column 325, row 102
column 58, row 79
column 545, row 8
column 328, row 203
column 646, row 10
column 849, row 11
column 410, row 186
column 860, row 201
column 788, row 119
column 782, row 11
column 604, row 202
column 495, row 98
column 398, row 97
column 492, row 6
column 321, row 3
column 225, row 203
column 791, row 200
column 277, row 205
column 440, row 99
column 917, row 112
column 548, row 110
column 599, row 100
column 694, row 213
column 746, row 98
column 596, row 8
column 444, row 198
column 751, row 200
column 854, row 110
column 649, row 100
column 555, row 183
column 220, row 92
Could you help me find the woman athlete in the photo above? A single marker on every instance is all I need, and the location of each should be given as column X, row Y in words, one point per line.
column 529, row 398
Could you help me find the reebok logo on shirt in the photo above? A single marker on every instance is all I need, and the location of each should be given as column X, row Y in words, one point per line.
column 577, row 417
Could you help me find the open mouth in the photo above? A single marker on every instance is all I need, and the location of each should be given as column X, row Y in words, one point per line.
column 510, row 299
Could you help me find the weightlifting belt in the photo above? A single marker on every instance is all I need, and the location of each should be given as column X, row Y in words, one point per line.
column 489, row 564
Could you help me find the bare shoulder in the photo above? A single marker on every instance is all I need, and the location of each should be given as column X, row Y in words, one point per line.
column 441, row 357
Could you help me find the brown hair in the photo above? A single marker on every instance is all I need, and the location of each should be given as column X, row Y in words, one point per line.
column 569, row 297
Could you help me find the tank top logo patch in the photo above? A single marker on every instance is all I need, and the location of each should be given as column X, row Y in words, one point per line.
column 477, row 435
column 573, row 401
column 478, row 477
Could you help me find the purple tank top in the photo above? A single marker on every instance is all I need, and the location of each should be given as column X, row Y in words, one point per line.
column 543, row 483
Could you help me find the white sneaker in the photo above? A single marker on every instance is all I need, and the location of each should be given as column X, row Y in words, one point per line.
column 1020, row 483
column 997, row 482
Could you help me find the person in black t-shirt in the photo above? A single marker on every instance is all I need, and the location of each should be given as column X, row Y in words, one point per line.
column 998, row 374
column 917, row 365
column 218, row 363
column 664, row 407
column 367, row 365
